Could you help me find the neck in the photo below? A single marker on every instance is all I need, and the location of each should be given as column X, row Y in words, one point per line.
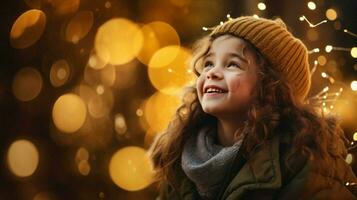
column 229, row 131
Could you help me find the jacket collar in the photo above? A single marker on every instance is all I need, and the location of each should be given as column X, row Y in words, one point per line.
column 262, row 170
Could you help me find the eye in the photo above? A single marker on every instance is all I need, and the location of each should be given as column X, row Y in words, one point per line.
column 208, row 64
column 234, row 65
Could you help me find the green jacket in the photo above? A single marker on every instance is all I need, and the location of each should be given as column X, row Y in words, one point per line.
column 265, row 176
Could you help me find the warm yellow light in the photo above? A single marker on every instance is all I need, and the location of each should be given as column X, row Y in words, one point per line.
column 131, row 169
column 261, row 6
column 349, row 158
column 324, row 75
column 161, row 103
column 354, row 85
column 311, row 5
column 84, row 167
column 69, row 113
column 22, row 158
column 355, row 136
column 59, row 73
column 27, row 84
column 139, row 112
column 354, row 52
column 168, row 69
column 120, row 124
column 79, row 26
column 321, row 60
column 331, row 14
column 156, row 35
column 97, row 62
column 119, row 41
column 82, row 154
column 27, row 29
column 100, row 89
column 328, row 48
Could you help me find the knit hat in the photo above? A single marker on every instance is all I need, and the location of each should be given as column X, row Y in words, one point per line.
column 287, row 54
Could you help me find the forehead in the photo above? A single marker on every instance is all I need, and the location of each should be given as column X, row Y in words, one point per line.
column 228, row 43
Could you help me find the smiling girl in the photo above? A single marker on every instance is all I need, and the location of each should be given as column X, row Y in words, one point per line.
column 249, row 132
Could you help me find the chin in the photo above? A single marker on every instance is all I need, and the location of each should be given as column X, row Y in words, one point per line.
column 211, row 110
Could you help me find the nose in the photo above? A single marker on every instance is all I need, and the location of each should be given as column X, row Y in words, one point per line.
column 214, row 73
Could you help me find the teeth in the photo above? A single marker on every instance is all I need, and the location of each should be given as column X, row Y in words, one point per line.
column 212, row 90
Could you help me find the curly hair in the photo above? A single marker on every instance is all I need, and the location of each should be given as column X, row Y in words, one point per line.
column 274, row 108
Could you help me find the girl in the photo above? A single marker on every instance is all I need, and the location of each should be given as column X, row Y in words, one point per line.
column 249, row 132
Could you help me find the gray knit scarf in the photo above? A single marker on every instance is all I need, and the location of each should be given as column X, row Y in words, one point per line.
column 206, row 163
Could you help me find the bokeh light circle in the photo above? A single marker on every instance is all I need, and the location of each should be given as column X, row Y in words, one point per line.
column 22, row 158
column 59, row 73
column 79, row 26
column 331, row 14
column 173, row 73
column 131, row 169
column 69, row 113
column 119, row 41
column 156, row 35
column 27, row 84
column 27, row 29
column 161, row 103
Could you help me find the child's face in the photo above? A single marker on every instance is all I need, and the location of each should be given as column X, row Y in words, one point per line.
column 228, row 77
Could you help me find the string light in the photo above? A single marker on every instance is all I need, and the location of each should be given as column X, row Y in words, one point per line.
column 229, row 18
column 302, row 18
column 316, row 50
column 349, row 32
column 314, row 68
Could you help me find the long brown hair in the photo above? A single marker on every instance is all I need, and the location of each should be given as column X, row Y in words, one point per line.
column 275, row 107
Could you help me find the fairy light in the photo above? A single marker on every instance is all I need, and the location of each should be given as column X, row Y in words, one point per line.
column 354, row 52
column 355, row 136
column 303, row 18
column 315, row 50
column 261, row 6
column 314, row 68
column 324, row 75
column 229, row 18
column 354, row 85
column 255, row 16
column 311, row 5
column 349, row 32
column 350, row 183
column 328, row 48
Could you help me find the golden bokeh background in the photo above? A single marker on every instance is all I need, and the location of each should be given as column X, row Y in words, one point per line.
column 86, row 85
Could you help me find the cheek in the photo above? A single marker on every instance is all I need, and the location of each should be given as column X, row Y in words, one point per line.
column 235, row 84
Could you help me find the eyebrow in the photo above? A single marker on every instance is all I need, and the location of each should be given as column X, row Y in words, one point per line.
column 231, row 55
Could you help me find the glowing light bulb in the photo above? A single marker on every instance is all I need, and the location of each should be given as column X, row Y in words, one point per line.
column 354, row 85
column 328, row 48
column 311, row 5
column 354, row 52
column 261, row 6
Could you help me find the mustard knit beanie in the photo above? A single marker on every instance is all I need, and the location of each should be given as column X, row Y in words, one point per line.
column 287, row 54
